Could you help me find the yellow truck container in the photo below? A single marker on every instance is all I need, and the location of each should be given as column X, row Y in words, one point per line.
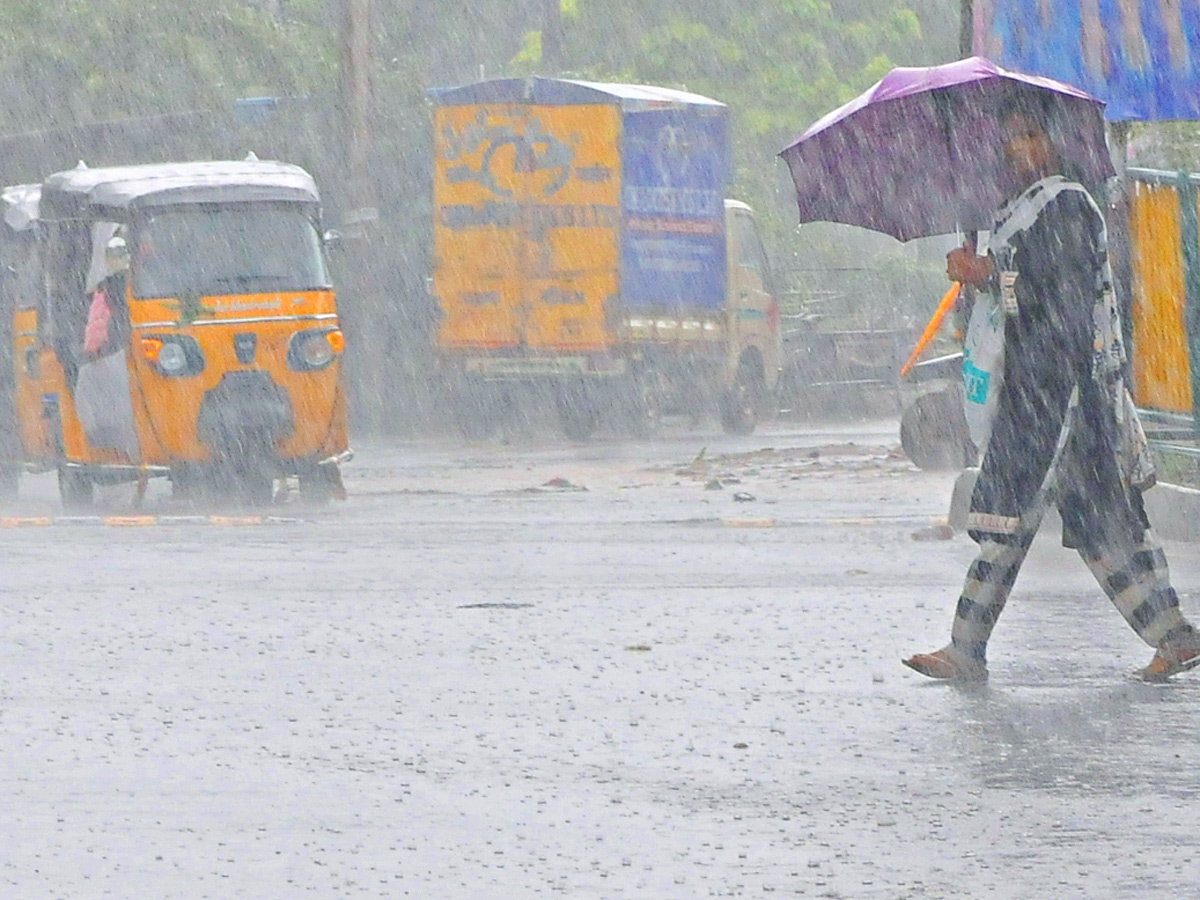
column 1160, row 356
column 584, row 250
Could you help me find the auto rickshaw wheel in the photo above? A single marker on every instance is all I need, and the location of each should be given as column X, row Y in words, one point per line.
column 321, row 483
column 247, row 482
column 75, row 488
column 243, row 482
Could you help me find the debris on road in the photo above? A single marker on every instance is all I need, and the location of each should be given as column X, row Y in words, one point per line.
column 939, row 532
column 495, row 606
column 562, row 484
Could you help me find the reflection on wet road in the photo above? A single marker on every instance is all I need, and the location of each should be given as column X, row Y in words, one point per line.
column 541, row 670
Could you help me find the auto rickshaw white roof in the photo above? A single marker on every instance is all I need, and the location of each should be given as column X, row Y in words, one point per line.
column 21, row 203
column 566, row 92
column 223, row 181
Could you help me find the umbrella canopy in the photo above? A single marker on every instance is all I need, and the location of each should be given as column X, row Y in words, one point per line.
column 919, row 153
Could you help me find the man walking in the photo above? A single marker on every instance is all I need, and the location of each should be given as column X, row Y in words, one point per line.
column 1065, row 430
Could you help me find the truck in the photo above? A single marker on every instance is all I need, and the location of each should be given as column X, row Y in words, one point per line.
column 585, row 253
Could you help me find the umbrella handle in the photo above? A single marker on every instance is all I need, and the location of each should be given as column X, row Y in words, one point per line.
column 931, row 329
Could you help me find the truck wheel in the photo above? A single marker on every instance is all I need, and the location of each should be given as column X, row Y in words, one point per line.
column 577, row 414
column 473, row 424
column 933, row 432
column 644, row 407
column 476, row 413
column 75, row 488
column 739, row 405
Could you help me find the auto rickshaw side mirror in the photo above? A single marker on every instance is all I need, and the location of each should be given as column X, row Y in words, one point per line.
column 333, row 239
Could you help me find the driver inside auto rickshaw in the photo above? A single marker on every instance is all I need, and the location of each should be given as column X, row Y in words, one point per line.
column 107, row 328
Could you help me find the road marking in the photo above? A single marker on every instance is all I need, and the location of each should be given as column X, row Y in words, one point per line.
column 236, row 520
column 130, row 521
column 143, row 521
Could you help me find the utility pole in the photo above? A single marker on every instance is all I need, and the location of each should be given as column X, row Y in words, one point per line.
column 552, row 37
column 369, row 332
column 966, row 28
column 355, row 99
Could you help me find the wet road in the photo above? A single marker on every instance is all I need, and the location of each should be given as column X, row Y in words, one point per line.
column 539, row 670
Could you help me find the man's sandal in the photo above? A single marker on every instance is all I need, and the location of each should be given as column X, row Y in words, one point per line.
column 943, row 666
column 1168, row 662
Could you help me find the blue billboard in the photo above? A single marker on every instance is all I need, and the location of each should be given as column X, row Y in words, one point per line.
column 1141, row 56
column 675, row 167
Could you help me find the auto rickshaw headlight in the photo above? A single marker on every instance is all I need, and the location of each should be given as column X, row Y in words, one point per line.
column 173, row 355
column 315, row 349
column 171, row 359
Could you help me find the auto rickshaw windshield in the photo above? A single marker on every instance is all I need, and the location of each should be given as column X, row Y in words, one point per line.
column 241, row 249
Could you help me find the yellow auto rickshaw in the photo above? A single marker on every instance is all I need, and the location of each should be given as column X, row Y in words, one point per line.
column 189, row 313
column 27, row 374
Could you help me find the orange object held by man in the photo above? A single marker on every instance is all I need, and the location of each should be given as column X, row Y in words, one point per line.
column 931, row 329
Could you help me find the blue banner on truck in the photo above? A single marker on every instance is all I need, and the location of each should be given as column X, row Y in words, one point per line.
column 675, row 168
column 1142, row 56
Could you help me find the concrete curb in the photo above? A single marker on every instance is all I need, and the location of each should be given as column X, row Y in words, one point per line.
column 1173, row 510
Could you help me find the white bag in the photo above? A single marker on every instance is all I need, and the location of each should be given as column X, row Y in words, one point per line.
column 983, row 366
column 104, row 404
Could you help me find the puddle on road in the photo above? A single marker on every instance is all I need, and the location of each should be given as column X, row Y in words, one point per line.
column 495, row 606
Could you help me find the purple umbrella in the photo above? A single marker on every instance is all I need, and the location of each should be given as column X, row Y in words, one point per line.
column 919, row 153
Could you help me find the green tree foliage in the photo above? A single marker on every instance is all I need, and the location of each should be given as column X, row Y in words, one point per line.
column 65, row 62
column 778, row 64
